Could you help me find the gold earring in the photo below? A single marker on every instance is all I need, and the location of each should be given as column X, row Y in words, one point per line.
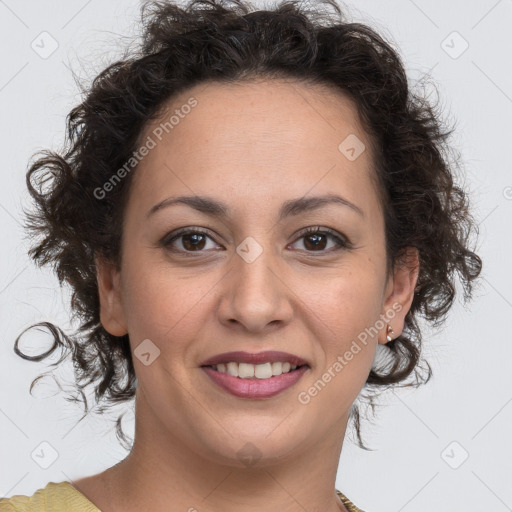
column 390, row 330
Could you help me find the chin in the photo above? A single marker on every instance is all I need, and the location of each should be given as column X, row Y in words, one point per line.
column 254, row 446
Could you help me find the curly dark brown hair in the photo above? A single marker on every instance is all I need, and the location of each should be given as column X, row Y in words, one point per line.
column 229, row 41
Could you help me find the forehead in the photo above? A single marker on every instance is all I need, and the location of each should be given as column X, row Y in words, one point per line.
column 252, row 136
column 297, row 112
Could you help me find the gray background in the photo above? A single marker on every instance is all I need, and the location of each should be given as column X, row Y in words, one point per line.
column 420, row 437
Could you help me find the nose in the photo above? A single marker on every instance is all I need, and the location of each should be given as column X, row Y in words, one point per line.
column 254, row 294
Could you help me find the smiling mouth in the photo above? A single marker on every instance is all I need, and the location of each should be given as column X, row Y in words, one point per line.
column 256, row 371
column 257, row 382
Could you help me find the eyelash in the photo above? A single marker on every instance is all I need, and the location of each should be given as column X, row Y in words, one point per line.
column 342, row 242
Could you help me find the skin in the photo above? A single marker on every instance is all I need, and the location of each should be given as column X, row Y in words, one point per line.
column 253, row 146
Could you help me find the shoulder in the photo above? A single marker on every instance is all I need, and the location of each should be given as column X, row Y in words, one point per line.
column 55, row 497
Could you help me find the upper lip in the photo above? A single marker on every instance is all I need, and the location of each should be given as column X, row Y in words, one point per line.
column 270, row 356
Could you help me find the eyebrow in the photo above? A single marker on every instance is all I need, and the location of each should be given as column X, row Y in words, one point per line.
column 289, row 208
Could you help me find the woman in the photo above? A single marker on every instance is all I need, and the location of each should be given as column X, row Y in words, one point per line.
column 251, row 211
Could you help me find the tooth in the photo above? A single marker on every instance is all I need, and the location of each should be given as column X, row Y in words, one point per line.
column 263, row 371
column 277, row 368
column 245, row 370
column 260, row 371
column 232, row 369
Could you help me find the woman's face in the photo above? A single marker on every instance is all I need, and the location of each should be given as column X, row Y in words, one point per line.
column 251, row 281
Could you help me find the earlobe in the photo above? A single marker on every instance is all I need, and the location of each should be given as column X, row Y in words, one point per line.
column 109, row 290
column 401, row 286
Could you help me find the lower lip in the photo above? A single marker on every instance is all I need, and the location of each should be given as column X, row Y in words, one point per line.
column 255, row 388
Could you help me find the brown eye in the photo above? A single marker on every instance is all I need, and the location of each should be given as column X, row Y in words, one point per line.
column 317, row 239
column 190, row 240
column 193, row 241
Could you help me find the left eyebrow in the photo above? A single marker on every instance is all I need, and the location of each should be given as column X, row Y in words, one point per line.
column 292, row 207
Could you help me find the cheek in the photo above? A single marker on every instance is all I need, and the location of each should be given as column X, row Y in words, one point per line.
column 347, row 300
column 345, row 315
column 161, row 306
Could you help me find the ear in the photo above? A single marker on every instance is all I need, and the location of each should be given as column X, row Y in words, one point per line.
column 399, row 294
column 111, row 310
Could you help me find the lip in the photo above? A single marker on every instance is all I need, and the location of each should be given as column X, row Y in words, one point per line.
column 255, row 388
column 270, row 356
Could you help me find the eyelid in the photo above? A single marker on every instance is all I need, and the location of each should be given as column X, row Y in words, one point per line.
column 173, row 235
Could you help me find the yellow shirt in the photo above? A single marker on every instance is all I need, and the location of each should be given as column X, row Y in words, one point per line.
column 63, row 497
